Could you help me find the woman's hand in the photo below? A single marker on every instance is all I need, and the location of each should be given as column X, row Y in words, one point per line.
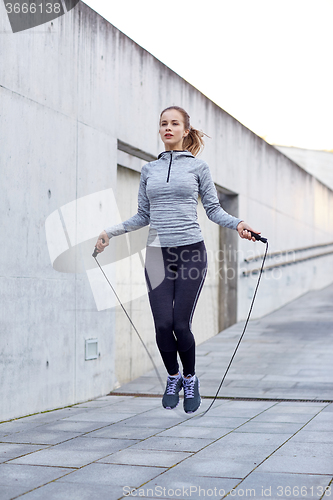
column 100, row 245
column 244, row 231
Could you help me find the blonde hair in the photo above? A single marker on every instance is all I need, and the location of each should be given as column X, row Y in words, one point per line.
column 193, row 142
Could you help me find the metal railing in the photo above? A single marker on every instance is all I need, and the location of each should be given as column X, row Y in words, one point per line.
column 287, row 262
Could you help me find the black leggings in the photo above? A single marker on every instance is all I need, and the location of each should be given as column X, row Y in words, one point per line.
column 174, row 277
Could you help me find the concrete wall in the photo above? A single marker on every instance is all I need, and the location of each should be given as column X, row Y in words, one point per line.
column 70, row 91
column 317, row 163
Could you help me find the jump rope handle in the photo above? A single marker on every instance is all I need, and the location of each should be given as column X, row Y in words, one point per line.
column 95, row 251
column 258, row 237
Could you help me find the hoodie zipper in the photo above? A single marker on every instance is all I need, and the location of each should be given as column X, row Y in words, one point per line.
column 169, row 167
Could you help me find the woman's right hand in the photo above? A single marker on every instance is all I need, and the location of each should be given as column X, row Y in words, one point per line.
column 100, row 245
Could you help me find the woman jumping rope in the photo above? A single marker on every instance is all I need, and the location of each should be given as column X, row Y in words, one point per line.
column 176, row 258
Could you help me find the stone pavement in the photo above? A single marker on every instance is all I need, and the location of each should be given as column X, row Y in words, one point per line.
column 277, row 445
column 286, row 354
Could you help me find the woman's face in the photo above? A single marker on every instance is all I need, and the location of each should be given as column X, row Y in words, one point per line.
column 172, row 129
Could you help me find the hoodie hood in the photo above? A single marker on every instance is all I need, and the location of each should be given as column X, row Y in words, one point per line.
column 175, row 154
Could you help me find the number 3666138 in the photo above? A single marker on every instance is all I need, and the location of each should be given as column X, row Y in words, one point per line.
column 33, row 8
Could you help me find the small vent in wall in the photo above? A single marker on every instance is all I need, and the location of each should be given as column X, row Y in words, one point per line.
column 91, row 349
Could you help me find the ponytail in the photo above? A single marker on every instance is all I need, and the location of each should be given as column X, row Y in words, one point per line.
column 193, row 142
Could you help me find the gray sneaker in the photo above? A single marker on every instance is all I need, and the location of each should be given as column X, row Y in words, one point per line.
column 192, row 399
column 171, row 395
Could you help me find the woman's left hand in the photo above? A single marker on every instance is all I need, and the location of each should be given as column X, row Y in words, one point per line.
column 244, row 231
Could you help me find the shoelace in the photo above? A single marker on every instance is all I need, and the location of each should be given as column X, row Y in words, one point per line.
column 189, row 387
column 172, row 382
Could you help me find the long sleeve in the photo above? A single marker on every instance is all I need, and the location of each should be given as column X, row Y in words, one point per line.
column 210, row 201
column 140, row 219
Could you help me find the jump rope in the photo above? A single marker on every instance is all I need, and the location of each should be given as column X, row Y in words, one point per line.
column 258, row 238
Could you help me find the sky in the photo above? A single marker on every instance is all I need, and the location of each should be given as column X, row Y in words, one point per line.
column 268, row 63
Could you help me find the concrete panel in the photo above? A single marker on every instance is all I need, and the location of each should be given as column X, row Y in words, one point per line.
column 317, row 163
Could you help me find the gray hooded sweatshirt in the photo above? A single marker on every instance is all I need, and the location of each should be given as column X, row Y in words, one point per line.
column 168, row 198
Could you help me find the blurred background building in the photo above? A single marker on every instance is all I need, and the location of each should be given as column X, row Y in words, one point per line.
column 317, row 163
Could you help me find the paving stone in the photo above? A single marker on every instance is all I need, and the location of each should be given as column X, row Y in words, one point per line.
column 146, row 457
column 132, row 409
column 293, row 448
column 39, row 436
column 211, row 467
column 75, row 453
column 134, row 405
column 172, row 444
column 257, row 405
column 74, row 426
column 318, row 425
column 102, row 402
column 12, row 491
column 286, row 486
column 28, row 476
column 174, row 485
column 270, row 427
column 62, row 491
column 248, row 439
column 208, row 421
column 294, row 408
column 18, row 425
column 153, row 422
column 298, row 464
column 231, row 451
column 324, row 417
column 50, row 416
column 100, row 416
column 119, row 430
column 270, row 416
column 113, row 474
column 174, row 414
column 196, row 432
column 234, row 411
column 114, row 399
column 9, row 451
column 305, row 436
column 328, row 409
